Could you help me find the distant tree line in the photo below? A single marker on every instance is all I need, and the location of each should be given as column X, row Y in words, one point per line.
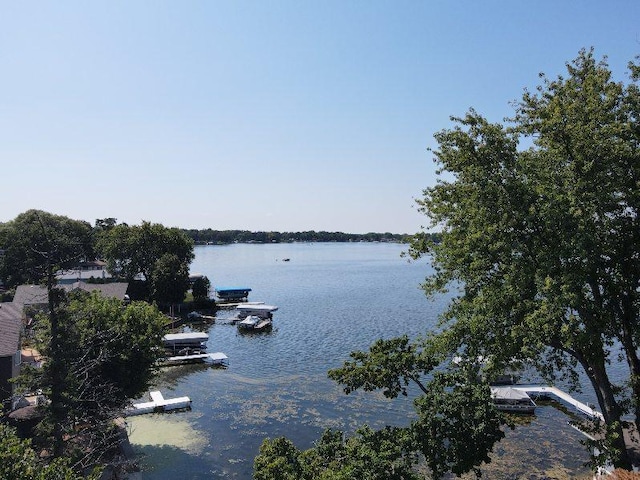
column 222, row 237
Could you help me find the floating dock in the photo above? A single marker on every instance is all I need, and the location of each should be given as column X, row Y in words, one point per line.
column 217, row 358
column 158, row 404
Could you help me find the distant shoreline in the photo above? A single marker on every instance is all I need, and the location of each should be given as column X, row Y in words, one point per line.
column 226, row 237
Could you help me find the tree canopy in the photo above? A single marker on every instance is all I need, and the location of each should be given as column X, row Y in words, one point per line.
column 99, row 353
column 150, row 250
column 18, row 461
column 37, row 243
column 375, row 455
column 544, row 242
column 209, row 236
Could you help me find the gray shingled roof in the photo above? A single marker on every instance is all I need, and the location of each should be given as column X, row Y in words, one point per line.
column 30, row 295
column 115, row 290
column 37, row 295
column 10, row 327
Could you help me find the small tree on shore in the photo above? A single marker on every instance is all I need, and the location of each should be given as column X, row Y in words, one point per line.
column 169, row 280
column 200, row 289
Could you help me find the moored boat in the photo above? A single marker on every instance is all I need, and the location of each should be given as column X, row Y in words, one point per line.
column 253, row 323
column 185, row 343
column 258, row 310
column 232, row 294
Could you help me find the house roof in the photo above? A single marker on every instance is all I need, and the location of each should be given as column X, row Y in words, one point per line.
column 30, row 295
column 10, row 327
column 115, row 290
column 37, row 295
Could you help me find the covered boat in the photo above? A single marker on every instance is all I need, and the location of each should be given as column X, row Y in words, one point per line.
column 512, row 400
column 232, row 294
column 185, row 343
column 259, row 310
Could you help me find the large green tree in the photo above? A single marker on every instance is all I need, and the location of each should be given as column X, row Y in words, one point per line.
column 540, row 246
column 98, row 353
column 37, row 244
column 106, row 356
column 370, row 454
column 139, row 249
column 544, row 242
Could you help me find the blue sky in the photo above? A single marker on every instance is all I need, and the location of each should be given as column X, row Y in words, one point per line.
column 266, row 115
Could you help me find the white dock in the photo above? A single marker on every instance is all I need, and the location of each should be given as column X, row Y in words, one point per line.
column 158, row 404
column 217, row 358
column 559, row 394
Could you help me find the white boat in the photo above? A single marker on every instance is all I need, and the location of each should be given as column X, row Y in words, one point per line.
column 254, row 323
column 512, row 400
column 187, row 339
column 185, row 343
column 258, row 310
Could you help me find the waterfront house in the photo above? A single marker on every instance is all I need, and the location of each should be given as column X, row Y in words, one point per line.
column 10, row 354
column 95, row 269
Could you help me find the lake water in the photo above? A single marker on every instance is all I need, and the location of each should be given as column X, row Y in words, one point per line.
column 333, row 298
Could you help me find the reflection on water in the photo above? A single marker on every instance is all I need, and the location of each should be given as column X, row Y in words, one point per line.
column 332, row 299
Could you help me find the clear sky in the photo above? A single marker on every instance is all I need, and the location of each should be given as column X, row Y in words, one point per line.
column 266, row 115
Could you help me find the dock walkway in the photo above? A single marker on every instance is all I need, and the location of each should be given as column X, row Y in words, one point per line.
column 559, row 394
column 217, row 358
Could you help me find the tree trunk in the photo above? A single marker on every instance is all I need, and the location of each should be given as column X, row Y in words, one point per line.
column 627, row 320
column 610, row 409
column 57, row 376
